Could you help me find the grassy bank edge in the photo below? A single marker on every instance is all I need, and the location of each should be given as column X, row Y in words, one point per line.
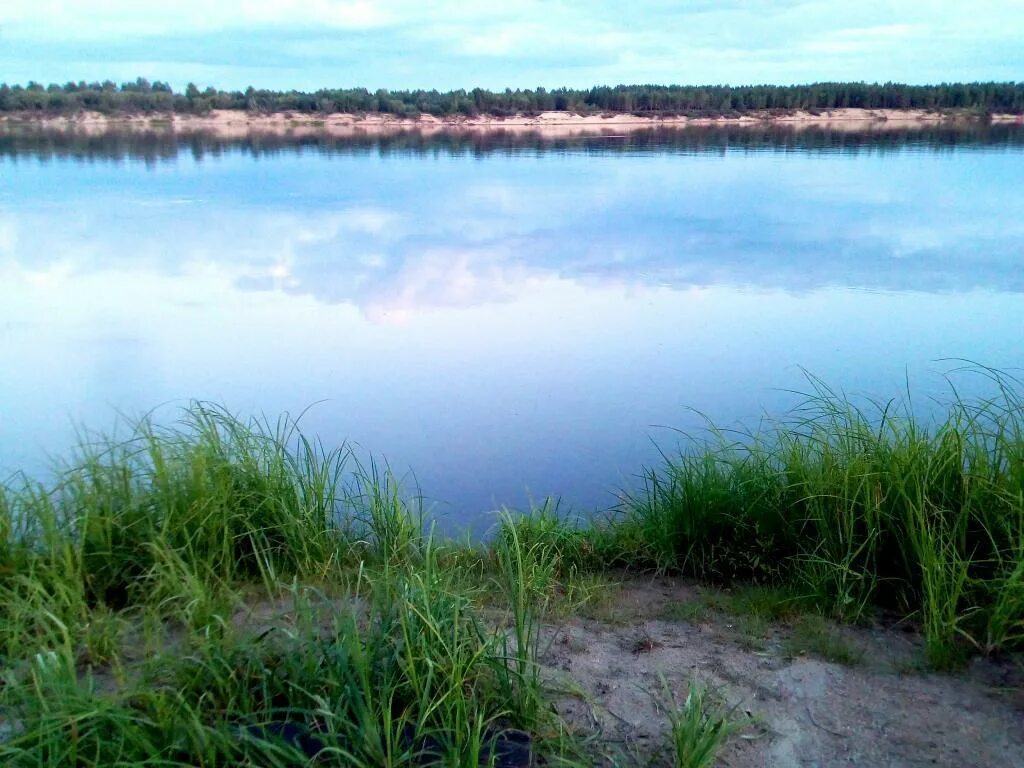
column 153, row 540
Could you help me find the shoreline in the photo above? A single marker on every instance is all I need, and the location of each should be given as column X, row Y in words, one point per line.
column 215, row 591
column 231, row 123
column 211, row 592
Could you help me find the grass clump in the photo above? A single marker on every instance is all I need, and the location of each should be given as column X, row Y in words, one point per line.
column 169, row 515
column 155, row 542
column 859, row 509
column 699, row 727
column 411, row 679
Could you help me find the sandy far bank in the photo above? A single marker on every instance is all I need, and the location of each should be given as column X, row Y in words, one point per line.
column 232, row 123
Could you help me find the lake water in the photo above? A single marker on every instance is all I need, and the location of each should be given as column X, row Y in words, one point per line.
column 510, row 317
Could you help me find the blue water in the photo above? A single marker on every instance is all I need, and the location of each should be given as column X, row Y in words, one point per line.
column 508, row 324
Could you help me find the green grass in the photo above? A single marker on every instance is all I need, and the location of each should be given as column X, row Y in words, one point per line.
column 413, row 673
column 855, row 509
column 121, row 585
column 851, row 510
column 769, row 604
column 699, row 727
column 817, row 636
column 131, row 584
column 751, row 610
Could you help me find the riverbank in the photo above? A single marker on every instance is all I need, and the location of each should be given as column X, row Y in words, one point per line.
column 237, row 123
column 229, row 592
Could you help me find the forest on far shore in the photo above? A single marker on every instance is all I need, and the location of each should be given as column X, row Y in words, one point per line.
column 143, row 96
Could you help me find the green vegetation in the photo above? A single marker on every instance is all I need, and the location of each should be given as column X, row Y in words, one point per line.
column 815, row 635
column 699, row 728
column 221, row 593
column 858, row 511
column 143, row 97
column 129, row 637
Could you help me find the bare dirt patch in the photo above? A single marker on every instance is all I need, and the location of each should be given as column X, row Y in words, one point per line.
column 610, row 669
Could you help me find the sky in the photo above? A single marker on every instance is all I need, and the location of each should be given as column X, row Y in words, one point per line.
column 444, row 44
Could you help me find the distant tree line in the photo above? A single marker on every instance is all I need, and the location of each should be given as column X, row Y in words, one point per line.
column 143, row 96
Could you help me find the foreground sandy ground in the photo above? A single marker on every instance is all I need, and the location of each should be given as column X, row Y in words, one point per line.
column 839, row 696
column 878, row 708
column 232, row 123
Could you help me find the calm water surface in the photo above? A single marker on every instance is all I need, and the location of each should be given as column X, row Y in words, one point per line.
column 510, row 318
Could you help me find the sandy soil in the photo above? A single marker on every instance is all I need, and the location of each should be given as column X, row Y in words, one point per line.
column 803, row 711
column 236, row 123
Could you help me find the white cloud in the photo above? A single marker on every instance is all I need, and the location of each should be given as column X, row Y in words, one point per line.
column 8, row 235
column 445, row 277
column 864, row 39
column 516, row 43
column 536, row 38
column 371, row 221
column 356, row 220
column 101, row 19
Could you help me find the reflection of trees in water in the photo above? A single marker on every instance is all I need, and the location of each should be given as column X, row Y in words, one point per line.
column 433, row 259
column 155, row 145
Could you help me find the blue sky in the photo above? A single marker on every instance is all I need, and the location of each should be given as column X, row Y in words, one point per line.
column 516, row 43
